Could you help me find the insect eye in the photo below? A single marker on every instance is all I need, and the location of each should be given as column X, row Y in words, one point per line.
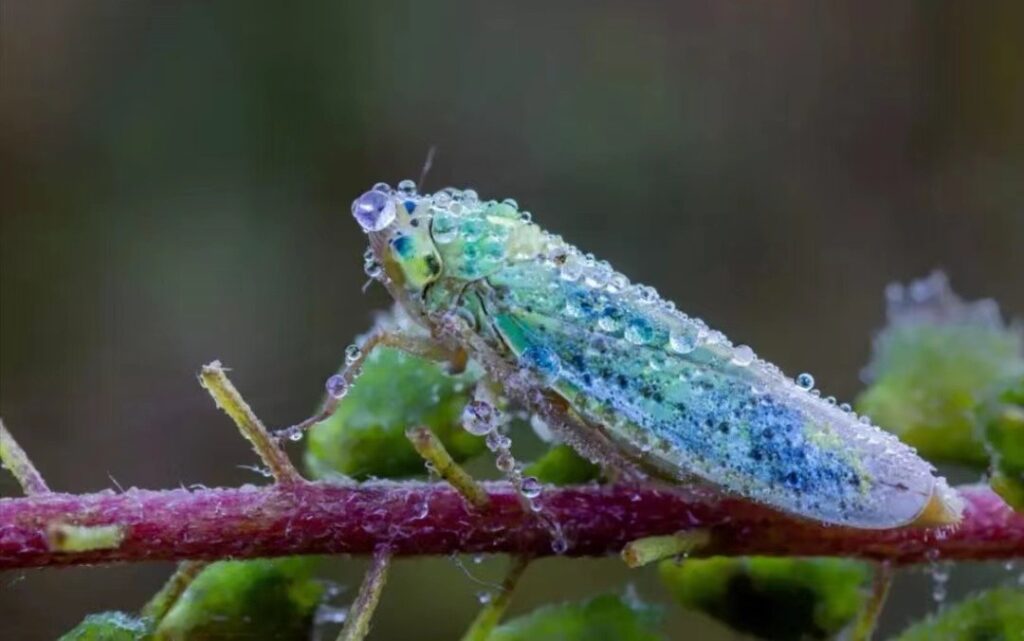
column 374, row 210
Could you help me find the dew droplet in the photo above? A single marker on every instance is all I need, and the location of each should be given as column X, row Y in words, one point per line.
column 572, row 310
column 484, row 597
column 352, row 354
column 478, row 418
column 558, row 544
column 336, row 386
column 531, row 487
column 743, row 355
column 505, row 462
column 805, row 381
column 682, row 343
column 373, row 269
column 407, row 187
column 940, row 571
column 607, row 324
column 374, row 210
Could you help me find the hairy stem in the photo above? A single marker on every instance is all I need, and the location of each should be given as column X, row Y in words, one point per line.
column 432, row 518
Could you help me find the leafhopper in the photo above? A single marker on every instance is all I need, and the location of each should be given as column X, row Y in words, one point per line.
column 622, row 375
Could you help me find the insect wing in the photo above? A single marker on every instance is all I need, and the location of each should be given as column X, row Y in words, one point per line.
column 683, row 404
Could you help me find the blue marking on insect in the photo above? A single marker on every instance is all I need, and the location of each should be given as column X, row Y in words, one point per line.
column 672, row 397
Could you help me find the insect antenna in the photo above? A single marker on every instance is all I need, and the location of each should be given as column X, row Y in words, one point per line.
column 427, row 164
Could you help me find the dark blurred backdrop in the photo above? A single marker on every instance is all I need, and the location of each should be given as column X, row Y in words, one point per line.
column 176, row 178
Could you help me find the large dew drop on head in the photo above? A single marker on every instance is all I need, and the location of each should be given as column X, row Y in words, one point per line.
column 374, row 210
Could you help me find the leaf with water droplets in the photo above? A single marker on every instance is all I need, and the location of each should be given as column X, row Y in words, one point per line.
column 771, row 598
column 366, row 436
column 604, row 617
column 936, row 360
column 110, row 626
column 1002, row 421
column 260, row 599
column 995, row 615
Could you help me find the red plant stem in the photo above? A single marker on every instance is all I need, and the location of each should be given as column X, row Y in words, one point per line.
column 418, row 518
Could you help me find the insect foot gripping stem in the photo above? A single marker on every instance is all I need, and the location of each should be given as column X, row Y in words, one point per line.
column 649, row 384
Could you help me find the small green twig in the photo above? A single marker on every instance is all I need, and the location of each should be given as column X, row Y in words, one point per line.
column 17, row 461
column 162, row 602
column 227, row 397
column 654, row 548
column 489, row 617
column 432, row 449
column 357, row 623
column 867, row 619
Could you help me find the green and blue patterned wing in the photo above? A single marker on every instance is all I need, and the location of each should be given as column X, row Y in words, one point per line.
column 683, row 401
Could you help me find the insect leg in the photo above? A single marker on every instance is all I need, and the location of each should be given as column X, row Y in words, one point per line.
column 338, row 385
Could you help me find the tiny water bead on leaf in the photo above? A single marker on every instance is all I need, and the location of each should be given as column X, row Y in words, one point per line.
column 936, row 360
column 628, row 379
column 772, row 599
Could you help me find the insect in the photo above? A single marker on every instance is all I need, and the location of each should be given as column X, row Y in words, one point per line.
column 622, row 375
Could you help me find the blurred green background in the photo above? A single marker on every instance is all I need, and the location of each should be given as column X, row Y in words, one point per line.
column 176, row 177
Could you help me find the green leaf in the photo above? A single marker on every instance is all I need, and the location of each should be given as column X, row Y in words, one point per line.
column 936, row 360
column 366, row 436
column 604, row 618
column 995, row 615
column 110, row 626
column 561, row 465
column 260, row 599
column 1002, row 421
column 772, row 598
